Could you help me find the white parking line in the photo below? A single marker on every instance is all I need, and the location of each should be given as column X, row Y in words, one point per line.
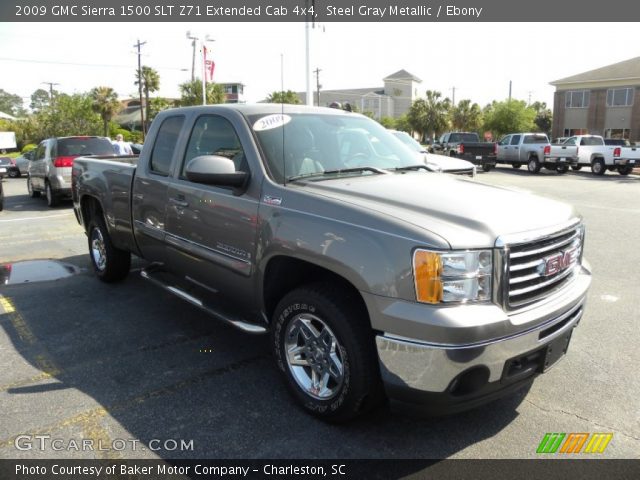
column 35, row 218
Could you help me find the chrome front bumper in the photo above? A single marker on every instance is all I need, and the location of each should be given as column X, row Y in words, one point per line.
column 412, row 366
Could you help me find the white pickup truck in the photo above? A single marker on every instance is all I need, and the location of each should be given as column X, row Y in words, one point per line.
column 591, row 150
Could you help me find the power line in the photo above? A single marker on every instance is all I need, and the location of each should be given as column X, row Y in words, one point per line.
column 74, row 64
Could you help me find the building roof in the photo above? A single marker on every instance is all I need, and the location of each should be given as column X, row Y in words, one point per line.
column 6, row 116
column 626, row 70
column 402, row 75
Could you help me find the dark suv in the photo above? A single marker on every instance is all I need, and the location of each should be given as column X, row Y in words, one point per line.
column 50, row 168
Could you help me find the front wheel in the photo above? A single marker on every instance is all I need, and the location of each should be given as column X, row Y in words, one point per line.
column 598, row 167
column 324, row 348
column 110, row 264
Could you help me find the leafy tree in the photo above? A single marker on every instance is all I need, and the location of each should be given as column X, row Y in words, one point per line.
column 289, row 97
column 191, row 93
column 402, row 123
column 429, row 115
column 544, row 117
column 11, row 104
column 509, row 116
column 156, row 105
column 41, row 99
column 466, row 116
column 71, row 115
column 388, row 122
column 105, row 103
column 150, row 83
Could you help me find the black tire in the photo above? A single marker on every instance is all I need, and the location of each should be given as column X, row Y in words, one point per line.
column 576, row 168
column 486, row 167
column 14, row 173
column 110, row 264
column 625, row 169
column 516, row 165
column 533, row 165
column 333, row 321
column 562, row 169
column 598, row 167
column 52, row 199
column 32, row 193
column 1, row 196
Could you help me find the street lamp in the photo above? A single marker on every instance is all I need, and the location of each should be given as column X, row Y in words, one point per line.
column 194, row 39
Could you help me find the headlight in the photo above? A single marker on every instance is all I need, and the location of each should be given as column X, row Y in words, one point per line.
column 453, row 276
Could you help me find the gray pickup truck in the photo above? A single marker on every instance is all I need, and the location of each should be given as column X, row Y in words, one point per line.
column 374, row 277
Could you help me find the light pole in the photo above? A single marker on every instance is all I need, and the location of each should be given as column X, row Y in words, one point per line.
column 195, row 39
column 193, row 57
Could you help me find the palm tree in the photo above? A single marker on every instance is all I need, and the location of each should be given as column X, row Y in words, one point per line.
column 105, row 102
column 466, row 116
column 150, row 84
column 430, row 115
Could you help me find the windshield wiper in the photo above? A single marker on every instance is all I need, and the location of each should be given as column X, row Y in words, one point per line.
column 411, row 167
column 336, row 172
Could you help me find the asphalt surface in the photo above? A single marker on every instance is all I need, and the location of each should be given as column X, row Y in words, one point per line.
column 131, row 366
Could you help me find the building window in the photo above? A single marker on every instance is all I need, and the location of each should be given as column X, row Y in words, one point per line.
column 617, row 133
column 577, row 99
column 619, row 97
column 570, row 132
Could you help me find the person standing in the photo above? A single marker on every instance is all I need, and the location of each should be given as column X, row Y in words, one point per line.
column 121, row 147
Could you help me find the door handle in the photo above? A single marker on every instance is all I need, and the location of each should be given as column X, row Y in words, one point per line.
column 178, row 202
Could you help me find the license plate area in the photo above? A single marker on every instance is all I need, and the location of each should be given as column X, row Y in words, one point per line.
column 555, row 350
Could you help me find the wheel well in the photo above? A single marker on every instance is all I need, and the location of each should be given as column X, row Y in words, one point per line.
column 532, row 155
column 284, row 274
column 89, row 206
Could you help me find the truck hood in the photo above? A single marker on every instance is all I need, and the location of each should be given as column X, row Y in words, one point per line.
column 466, row 213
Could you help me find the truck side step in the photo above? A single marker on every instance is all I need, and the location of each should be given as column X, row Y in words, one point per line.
column 154, row 275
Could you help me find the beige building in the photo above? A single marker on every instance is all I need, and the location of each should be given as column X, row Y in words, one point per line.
column 391, row 100
column 604, row 101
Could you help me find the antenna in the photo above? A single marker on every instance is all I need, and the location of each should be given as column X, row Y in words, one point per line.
column 284, row 163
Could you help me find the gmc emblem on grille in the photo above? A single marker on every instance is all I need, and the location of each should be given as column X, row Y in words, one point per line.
column 560, row 261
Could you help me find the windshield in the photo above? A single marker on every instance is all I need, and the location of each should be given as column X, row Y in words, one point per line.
column 409, row 141
column 300, row 144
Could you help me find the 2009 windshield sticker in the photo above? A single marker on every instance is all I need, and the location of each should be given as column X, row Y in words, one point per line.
column 271, row 121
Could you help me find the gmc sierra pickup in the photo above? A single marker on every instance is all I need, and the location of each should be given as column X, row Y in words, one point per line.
column 467, row 146
column 373, row 276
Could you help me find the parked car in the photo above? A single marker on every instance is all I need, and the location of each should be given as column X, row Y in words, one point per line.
column 3, row 171
column 454, row 166
column 533, row 150
column 50, row 169
column 371, row 275
column 10, row 165
column 22, row 162
column 136, row 148
column 467, row 146
column 592, row 151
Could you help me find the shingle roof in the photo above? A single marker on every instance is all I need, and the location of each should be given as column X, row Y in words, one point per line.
column 402, row 75
column 628, row 69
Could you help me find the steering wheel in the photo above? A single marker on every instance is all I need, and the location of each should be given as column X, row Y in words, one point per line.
column 357, row 160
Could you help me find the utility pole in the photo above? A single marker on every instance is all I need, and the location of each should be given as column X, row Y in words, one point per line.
column 453, row 100
column 51, row 84
column 509, row 90
column 529, row 102
column 317, row 72
column 138, row 46
column 193, row 60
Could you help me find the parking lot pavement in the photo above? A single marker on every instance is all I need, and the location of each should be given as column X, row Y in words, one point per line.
column 145, row 375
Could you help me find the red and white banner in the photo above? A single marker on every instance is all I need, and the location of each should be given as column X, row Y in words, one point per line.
column 209, row 65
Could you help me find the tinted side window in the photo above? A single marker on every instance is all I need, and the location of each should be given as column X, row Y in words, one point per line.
column 538, row 139
column 214, row 135
column 40, row 152
column 165, row 145
column 515, row 140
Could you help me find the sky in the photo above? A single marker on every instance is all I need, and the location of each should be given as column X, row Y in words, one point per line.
column 478, row 59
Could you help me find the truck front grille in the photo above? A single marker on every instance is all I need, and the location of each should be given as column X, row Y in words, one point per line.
column 541, row 267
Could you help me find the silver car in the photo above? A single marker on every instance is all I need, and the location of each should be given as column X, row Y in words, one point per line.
column 50, row 169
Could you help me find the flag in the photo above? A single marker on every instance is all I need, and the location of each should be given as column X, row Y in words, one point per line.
column 209, row 66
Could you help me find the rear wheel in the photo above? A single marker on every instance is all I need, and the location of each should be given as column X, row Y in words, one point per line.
column 533, row 165
column 32, row 193
column 576, row 168
column 14, row 173
column 324, row 348
column 598, row 167
column 486, row 167
column 52, row 199
column 110, row 264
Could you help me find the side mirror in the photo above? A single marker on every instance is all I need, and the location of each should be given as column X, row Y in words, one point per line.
column 215, row 170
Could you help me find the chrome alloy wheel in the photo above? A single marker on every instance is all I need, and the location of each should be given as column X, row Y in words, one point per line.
column 98, row 250
column 314, row 356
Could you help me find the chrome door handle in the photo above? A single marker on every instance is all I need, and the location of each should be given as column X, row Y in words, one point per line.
column 179, row 203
